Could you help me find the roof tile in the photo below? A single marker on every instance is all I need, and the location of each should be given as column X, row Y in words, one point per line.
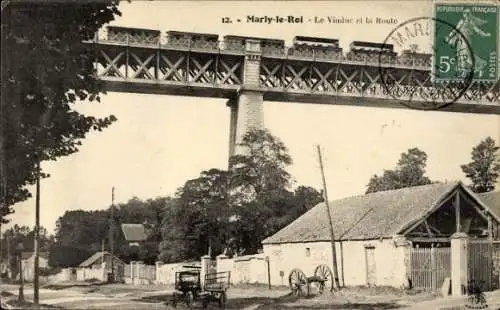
column 370, row 216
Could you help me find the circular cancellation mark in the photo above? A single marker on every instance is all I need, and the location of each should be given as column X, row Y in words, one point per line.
column 417, row 88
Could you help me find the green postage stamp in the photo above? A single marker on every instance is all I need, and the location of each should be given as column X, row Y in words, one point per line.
column 469, row 44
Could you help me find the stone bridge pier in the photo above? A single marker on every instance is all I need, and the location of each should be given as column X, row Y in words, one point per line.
column 247, row 109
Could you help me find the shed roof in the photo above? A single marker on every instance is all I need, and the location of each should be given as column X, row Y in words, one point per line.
column 492, row 200
column 134, row 232
column 94, row 258
column 371, row 216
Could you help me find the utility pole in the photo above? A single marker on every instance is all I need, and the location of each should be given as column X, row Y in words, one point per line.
column 37, row 235
column 9, row 270
column 1, row 246
column 102, row 251
column 332, row 235
column 112, row 228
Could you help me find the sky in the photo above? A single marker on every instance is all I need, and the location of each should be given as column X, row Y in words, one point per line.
column 161, row 141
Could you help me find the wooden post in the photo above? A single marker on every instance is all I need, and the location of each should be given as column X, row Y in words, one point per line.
column 102, row 251
column 434, row 283
column 457, row 211
column 490, row 228
column 332, row 235
column 268, row 272
column 37, row 238
column 9, row 269
column 112, row 228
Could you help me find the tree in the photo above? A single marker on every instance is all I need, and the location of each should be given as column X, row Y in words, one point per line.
column 233, row 211
column 198, row 220
column 46, row 69
column 258, row 184
column 306, row 197
column 410, row 171
column 263, row 168
column 80, row 232
column 484, row 169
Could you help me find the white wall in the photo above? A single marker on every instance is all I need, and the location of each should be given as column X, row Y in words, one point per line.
column 62, row 276
column 285, row 257
column 244, row 269
column 83, row 274
column 165, row 273
column 351, row 261
column 29, row 265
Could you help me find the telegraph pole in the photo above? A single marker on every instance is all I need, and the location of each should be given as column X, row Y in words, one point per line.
column 332, row 235
column 9, row 270
column 112, row 228
column 102, row 251
column 37, row 236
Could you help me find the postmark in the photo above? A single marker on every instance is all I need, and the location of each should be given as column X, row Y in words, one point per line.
column 414, row 77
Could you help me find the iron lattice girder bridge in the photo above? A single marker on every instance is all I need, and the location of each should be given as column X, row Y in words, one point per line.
column 192, row 64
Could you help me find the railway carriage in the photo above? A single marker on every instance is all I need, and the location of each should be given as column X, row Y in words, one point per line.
column 371, row 51
column 304, row 46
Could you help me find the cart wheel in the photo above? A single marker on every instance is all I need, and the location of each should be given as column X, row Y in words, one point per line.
column 189, row 299
column 322, row 271
column 298, row 283
column 222, row 300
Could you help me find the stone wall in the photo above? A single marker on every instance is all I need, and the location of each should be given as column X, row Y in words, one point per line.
column 249, row 269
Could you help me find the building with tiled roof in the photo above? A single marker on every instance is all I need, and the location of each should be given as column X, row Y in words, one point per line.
column 134, row 233
column 375, row 232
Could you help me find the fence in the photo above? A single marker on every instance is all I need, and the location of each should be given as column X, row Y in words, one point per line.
column 138, row 273
column 429, row 267
column 483, row 262
column 147, row 273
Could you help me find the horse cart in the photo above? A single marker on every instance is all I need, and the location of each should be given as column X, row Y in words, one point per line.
column 188, row 288
column 301, row 285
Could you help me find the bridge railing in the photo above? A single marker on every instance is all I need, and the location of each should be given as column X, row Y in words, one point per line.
column 236, row 44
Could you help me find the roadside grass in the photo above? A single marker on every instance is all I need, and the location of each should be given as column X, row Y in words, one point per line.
column 385, row 293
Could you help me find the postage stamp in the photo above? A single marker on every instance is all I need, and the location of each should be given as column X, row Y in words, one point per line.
column 477, row 24
column 421, row 87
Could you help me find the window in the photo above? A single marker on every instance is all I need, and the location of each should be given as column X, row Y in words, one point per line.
column 308, row 252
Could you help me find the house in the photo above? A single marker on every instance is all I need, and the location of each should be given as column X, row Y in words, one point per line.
column 98, row 266
column 134, row 233
column 98, row 259
column 28, row 263
column 376, row 234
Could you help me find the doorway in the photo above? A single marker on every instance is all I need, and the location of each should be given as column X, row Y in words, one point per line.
column 371, row 275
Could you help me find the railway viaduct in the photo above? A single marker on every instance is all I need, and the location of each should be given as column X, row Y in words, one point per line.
column 247, row 71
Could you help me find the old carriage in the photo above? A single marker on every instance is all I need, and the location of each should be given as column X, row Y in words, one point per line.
column 189, row 288
column 301, row 285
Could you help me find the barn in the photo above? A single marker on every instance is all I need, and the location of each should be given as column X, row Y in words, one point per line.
column 378, row 235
